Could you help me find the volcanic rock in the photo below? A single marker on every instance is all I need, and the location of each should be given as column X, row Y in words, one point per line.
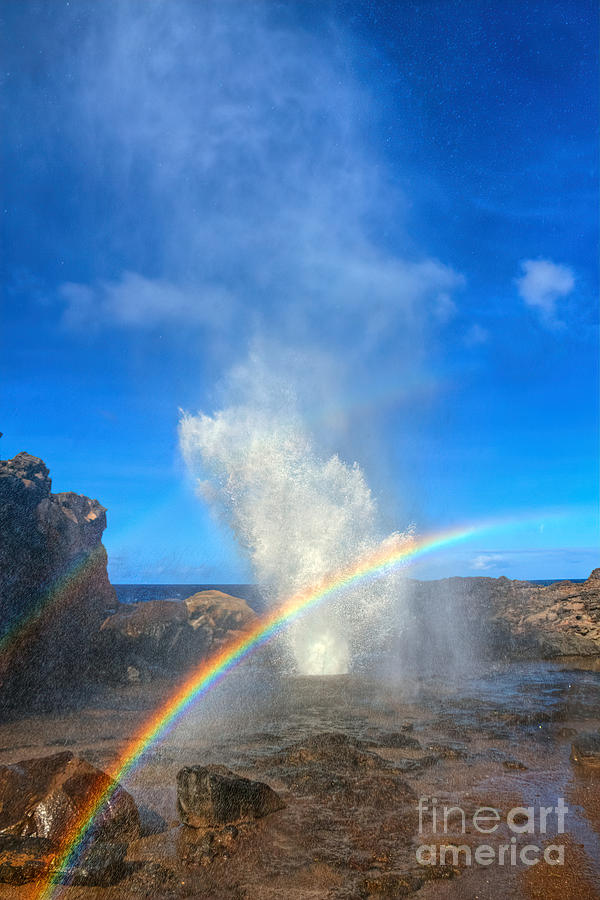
column 460, row 618
column 41, row 797
column 102, row 865
column 217, row 614
column 147, row 638
column 155, row 637
column 392, row 884
column 54, row 588
column 154, row 882
column 398, row 740
column 585, row 749
column 335, row 749
column 23, row 859
column 449, row 750
column 214, row 795
column 201, row 846
column 338, row 769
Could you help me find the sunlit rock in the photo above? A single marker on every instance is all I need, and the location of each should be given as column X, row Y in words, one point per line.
column 216, row 614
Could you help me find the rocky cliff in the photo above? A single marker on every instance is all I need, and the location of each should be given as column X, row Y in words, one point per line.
column 501, row 618
column 54, row 588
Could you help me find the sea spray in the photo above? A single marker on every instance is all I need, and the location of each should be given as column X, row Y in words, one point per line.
column 297, row 516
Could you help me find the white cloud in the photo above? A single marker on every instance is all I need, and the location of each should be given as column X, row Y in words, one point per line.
column 542, row 284
column 485, row 561
column 135, row 301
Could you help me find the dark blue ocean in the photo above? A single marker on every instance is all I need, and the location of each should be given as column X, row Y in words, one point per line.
column 133, row 593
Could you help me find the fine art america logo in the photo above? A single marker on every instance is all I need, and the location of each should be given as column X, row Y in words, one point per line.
column 439, row 821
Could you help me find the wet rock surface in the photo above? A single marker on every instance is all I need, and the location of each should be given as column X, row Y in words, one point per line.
column 42, row 797
column 23, row 859
column 213, row 795
column 101, row 865
column 335, row 751
column 201, row 846
column 585, row 749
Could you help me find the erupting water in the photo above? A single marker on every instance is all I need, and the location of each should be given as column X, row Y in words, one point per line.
column 296, row 515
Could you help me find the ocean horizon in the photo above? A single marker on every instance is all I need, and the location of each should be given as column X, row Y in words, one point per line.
column 136, row 593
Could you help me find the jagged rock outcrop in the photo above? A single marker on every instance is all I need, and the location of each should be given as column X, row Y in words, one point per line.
column 462, row 617
column 560, row 619
column 54, row 588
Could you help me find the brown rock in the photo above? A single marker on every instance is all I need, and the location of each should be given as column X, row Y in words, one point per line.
column 337, row 768
column 41, row 797
column 23, row 859
column 219, row 613
column 142, row 638
column 201, row 846
column 459, row 617
column 213, row 795
column 392, row 884
column 585, row 749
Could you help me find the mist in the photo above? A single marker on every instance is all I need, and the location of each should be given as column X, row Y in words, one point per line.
column 273, row 243
column 241, row 155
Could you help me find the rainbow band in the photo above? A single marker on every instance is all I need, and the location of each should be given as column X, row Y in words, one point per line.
column 217, row 666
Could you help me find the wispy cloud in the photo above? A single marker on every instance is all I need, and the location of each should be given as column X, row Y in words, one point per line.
column 256, row 185
column 476, row 335
column 484, row 561
column 137, row 302
column 542, row 284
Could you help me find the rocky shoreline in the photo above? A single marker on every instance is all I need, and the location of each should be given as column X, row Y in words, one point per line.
column 286, row 786
column 312, row 792
column 504, row 619
column 62, row 627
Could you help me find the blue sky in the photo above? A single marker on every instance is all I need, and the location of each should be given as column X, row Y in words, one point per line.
column 399, row 197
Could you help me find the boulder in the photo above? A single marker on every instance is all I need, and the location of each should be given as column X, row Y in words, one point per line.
column 40, row 798
column 154, row 637
column 54, row 587
column 217, row 614
column 26, row 859
column 147, row 638
column 101, row 865
column 585, row 749
column 213, row 795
